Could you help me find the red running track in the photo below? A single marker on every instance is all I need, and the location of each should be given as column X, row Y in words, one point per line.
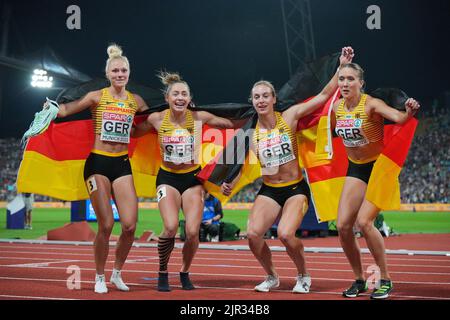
column 40, row 271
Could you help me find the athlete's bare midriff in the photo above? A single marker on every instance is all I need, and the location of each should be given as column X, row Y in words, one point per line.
column 111, row 147
column 283, row 174
column 365, row 152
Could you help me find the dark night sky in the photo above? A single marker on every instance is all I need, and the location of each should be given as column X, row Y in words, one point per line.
column 222, row 46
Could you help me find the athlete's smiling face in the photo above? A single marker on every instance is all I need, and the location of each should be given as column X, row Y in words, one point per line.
column 118, row 73
column 263, row 99
column 349, row 82
column 178, row 97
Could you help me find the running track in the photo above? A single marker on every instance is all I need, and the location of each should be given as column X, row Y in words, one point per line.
column 419, row 266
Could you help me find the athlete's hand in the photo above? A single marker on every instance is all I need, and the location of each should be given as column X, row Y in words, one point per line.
column 411, row 106
column 49, row 102
column 347, row 55
column 226, row 188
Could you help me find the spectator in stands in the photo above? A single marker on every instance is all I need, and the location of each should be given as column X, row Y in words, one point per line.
column 212, row 213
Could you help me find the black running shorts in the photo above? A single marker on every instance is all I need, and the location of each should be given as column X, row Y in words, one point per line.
column 112, row 167
column 282, row 194
column 360, row 171
column 180, row 181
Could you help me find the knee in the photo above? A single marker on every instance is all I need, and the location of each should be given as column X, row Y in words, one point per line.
column 105, row 229
column 192, row 233
column 344, row 229
column 253, row 235
column 129, row 229
column 365, row 225
column 285, row 237
column 170, row 231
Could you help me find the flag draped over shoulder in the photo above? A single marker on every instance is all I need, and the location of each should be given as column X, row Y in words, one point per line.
column 383, row 189
column 324, row 158
column 308, row 80
column 53, row 162
column 321, row 153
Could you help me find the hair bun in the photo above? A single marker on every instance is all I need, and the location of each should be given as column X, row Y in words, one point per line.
column 168, row 78
column 114, row 51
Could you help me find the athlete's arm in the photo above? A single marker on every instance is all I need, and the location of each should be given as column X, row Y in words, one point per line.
column 227, row 188
column 145, row 126
column 89, row 100
column 214, row 121
column 303, row 109
column 378, row 106
column 142, row 106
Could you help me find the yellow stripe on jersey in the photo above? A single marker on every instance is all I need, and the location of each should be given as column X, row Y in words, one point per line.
column 277, row 146
column 110, row 105
column 179, row 143
column 355, row 127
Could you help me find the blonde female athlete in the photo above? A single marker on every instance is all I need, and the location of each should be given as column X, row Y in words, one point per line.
column 359, row 121
column 107, row 170
column 179, row 133
column 284, row 191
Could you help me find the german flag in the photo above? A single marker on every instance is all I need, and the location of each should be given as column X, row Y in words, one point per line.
column 325, row 159
column 53, row 162
column 238, row 158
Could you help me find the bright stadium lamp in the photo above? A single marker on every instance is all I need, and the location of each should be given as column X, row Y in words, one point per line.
column 40, row 79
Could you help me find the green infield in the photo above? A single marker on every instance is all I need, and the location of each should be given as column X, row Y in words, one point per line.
column 46, row 219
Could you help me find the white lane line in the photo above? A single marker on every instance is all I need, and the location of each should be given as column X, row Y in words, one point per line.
column 145, row 261
column 34, row 297
column 311, row 259
column 64, row 250
column 235, row 247
column 441, row 283
column 40, row 264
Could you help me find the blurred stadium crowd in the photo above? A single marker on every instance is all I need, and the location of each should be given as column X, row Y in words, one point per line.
column 424, row 178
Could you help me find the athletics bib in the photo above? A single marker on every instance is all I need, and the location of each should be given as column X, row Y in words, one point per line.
column 351, row 131
column 178, row 148
column 275, row 150
column 116, row 127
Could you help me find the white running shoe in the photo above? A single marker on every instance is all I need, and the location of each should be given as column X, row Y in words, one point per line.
column 116, row 279
column 100, row 284
column 303, row 284
column 268, row 284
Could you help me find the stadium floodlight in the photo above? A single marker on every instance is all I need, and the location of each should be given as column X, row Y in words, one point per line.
column 40, row 79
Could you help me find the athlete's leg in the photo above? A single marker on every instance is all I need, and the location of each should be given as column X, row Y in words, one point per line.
column 192, row 204
column 366, row 217
column 291, row 218
column 351, row 199
column 100, row 199
column 127, row 205
column 169, row 205
column 262, row 216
